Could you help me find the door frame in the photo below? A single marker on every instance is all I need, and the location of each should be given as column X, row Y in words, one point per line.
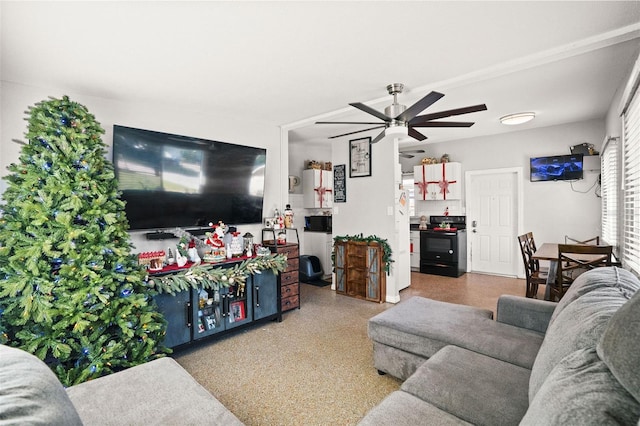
column 468, row 177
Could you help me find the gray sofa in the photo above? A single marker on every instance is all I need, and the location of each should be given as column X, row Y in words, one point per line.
column 576, row 362
column 158, row 392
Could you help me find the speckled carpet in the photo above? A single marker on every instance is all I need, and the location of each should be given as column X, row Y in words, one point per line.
column 315, row 367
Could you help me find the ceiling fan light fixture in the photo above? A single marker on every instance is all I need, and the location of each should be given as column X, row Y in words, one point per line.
column 518, row 118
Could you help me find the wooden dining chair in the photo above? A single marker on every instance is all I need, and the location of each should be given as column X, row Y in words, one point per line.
column 533, row 274
column 592, row 241
column 574, row 260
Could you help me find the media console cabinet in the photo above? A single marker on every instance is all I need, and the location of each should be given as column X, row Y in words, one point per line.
column 197, row 314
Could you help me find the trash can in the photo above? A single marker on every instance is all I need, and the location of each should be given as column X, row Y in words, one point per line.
column 310, row 268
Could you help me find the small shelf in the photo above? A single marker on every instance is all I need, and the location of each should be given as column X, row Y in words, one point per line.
column 274, row 234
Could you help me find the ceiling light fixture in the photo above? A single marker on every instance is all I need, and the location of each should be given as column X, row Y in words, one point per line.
column 519, row 118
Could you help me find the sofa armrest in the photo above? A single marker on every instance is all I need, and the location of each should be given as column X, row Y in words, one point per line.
column 532, row 314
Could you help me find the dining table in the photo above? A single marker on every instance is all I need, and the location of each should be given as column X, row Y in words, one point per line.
column 549, row 252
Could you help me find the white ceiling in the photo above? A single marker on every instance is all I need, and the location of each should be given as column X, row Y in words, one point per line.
column 290, row 63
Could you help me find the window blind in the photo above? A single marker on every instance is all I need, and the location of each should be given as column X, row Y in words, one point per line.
column 631, row 183
column 609, row 183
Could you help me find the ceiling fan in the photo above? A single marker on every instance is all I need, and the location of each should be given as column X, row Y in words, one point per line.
column 407, row 154
column 397, row 115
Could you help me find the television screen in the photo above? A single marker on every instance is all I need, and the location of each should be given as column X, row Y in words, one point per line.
column 557, row 167
column 172, row 181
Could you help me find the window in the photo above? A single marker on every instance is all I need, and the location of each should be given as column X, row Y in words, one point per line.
column 610, row 183
column 621, row 180
column 631, row 182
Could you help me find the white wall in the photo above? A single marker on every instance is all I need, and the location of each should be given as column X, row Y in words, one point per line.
column 372, row 208
column 163, row 118
column 551, row 209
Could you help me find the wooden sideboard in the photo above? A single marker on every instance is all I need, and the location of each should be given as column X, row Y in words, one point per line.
column 359, row 269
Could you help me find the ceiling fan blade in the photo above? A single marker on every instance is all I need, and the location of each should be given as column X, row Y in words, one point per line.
column 369, row 110
column 414, row 151
column 416, row 134
column 448, row 113
column 419, row 106
column 444, row 124
column 379, row 137
column 403, row 155
column 357, row 131
column 348, row 122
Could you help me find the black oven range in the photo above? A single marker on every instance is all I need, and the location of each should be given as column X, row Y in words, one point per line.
column 443, row 246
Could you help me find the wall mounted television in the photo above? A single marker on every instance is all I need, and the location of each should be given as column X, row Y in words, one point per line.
column 170, row 181
column 557, row 167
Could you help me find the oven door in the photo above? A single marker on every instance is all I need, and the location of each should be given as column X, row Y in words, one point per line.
column 440, row 246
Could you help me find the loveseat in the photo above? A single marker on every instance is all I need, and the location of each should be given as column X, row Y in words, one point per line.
column 157, row 392
column 576, row 362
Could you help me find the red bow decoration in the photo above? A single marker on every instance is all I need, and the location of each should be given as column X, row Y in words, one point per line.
column 321, row 190
column 443, row 184
column 422, row 185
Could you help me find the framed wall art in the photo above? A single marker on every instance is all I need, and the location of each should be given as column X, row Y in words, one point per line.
column 360, row 157
column 340, row 183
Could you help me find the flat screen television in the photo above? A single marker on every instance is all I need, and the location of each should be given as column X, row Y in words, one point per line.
column 557, row 167
column 170, row 181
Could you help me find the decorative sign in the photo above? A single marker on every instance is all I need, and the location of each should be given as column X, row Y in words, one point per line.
column 339, row 183
column 360, row 157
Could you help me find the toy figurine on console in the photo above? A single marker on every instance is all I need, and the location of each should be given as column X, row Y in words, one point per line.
column 181, row 251
column 215, row 239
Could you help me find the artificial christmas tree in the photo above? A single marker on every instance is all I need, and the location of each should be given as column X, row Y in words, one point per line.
column 71, row 292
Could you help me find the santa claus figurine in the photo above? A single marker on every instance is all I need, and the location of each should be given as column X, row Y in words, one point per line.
column 216, row 238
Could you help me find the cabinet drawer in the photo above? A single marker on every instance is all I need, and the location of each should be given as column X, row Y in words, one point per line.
column 290, row 290
column 293, row 265
column 290, row 303
column 290, row 249
column 287, row 278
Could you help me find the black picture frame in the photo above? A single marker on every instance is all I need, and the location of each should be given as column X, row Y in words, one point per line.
column 360, row 157
column 340, row 183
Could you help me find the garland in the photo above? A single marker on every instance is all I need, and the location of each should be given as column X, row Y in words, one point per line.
column 212, row 276
column 387, row 260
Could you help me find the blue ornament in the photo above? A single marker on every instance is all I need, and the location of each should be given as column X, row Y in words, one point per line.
column 120, row 268
column 126, row 292
column 92, row 369
column 85, row 351
column 64, row 121
column 47, row 166
column 44, row 143
column 56, row 264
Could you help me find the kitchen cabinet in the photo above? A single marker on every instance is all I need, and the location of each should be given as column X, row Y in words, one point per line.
column 317, row 187
column 441, row 181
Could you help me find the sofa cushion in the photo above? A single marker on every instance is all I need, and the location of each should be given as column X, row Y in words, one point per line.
column 623, row 280
column 403, row 409
column 474, row 387
column 581, row 390
column 619, row 345
column 159, row 392
column 30, row 393
column 423, row 326
column 580, row 324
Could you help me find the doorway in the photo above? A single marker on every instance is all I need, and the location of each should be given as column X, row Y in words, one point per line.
column 494, row 214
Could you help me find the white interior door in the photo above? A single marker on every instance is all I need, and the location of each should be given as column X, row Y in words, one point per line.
column 493, row 213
